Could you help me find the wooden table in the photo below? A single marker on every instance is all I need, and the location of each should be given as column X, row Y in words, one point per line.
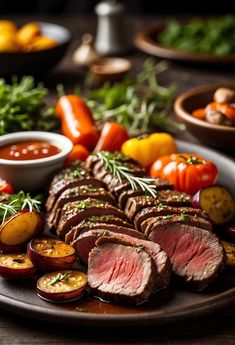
column 211, row 330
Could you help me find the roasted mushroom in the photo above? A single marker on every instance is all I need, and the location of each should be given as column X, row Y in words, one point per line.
column 224, row 95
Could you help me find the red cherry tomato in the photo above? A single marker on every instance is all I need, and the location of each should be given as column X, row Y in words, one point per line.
column 6, row 187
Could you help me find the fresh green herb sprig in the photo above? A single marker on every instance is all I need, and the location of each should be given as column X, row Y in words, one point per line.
column 122, row 172
column 59, row 278
column 139, row 104
column 22, row 106
column 17, row 202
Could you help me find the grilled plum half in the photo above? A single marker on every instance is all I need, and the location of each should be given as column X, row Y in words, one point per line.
column 16, row 266
column 50, row 254
column 18, row 230
column 62, row 286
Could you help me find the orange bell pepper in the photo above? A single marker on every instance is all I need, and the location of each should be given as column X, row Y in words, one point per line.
column 77, row 122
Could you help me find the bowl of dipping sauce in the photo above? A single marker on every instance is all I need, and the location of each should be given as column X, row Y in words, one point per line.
column 28, row 160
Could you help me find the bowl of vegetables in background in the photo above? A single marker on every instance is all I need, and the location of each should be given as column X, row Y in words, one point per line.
column 32, row 48
column 199, row 40
column 216, row 124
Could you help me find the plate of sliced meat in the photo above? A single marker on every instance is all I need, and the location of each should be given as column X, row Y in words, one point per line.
column 150, row 257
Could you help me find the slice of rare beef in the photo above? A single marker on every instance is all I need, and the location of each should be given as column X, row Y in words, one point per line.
column 74, row 179
column 159, row 257
column 74, row 194
column 164, row 210
column 74, row 212
column 154, row 222
column 77, row 230
column 104, row 219
column 121, row 273
column 196, row 255
column 165, row 197
column 85, row 242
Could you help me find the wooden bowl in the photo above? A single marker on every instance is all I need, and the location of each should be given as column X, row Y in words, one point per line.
column 109, row 69
column 219, row 136
column 147, row 42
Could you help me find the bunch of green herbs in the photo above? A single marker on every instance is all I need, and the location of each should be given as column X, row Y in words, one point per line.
column 11, row 204
column 23, row 106
column 214, row 36
column 140, row 104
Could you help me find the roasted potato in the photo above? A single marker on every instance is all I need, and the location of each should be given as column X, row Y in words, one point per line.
column 8, row 42
column 7, row 26
column 40, row 43
column 27, row 33
column 230, row 252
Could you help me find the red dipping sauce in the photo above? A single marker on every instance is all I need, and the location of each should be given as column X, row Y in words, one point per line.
column 27, row 150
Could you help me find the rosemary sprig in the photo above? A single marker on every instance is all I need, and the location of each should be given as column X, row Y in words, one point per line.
column 16, row 203
column 59, row 278
column 122, row 172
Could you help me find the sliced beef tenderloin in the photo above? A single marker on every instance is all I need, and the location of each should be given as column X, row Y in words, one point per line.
column 165, row 210
column 165, row 197
column 121, row 273
column 154, row 222
column 104, row 219
column 65, row 173
column 73, row 181
column 74, row 194
column 124, row 194
column 78, row 229
column 161, row 260
column 196, row 254
column 74, row 212
column 85, row 242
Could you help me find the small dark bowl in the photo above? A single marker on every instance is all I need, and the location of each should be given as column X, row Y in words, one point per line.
column 37, row 62
column 219, row 136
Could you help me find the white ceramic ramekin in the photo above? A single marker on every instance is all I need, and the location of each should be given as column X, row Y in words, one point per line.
column 30, row 175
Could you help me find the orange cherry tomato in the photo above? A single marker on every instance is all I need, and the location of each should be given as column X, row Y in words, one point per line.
column 112, row 137
column 227, row 109
column 78, row 152
column 77, row 122
column 188, row 172
column 199, row 113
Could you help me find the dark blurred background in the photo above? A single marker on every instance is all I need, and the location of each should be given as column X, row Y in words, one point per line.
column 133, row 6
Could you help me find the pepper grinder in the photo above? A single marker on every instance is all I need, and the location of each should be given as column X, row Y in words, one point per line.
column 111, row 35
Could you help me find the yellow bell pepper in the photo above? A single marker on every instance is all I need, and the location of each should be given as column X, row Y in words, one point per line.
column 147, row 150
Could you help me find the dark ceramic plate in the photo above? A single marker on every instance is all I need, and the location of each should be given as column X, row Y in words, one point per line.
column 37, row 62
column 147, row 42
column 171, row 304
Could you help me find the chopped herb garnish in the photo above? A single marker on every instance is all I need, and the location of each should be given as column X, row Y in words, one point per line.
column 140, row 246
column 93, row 218
column 161, row 206
column 184, row 216
column 59, row 278
column 89, row 189
column 105, row 233
column 122, row 172
column 84, row 203
column 168, row 216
